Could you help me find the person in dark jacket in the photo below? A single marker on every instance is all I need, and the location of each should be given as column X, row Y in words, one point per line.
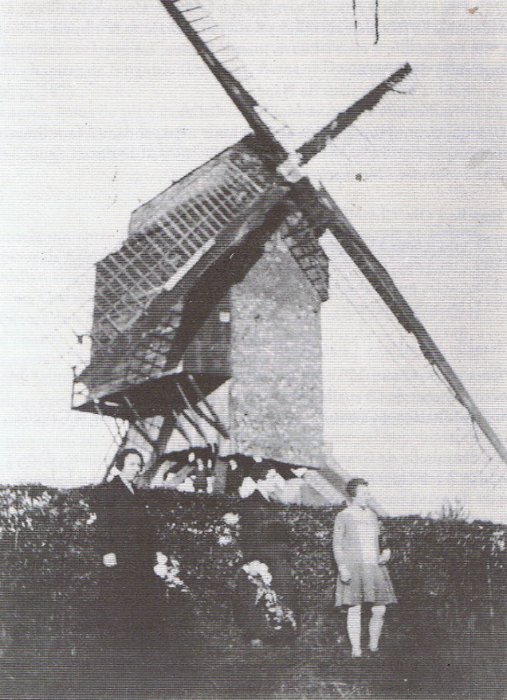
column 266, row 569
column 132, row 607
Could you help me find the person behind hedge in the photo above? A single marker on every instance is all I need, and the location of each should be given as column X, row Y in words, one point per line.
column 265, row 543
column 362, row 572
column 173, row 468
column 132, row 608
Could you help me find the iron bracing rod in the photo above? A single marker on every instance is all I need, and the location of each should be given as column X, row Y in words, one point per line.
column 195, row 425
column 344, row 119
column 241, row 97
column 318, row 203
column 96, row 405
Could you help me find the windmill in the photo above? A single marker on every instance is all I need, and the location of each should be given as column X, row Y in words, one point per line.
column 216, row 293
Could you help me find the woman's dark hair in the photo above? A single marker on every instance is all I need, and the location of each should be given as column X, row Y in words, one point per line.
column 352, row 485
column 119, row 462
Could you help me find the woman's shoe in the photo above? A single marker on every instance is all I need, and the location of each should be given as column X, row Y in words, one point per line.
column 356, row 653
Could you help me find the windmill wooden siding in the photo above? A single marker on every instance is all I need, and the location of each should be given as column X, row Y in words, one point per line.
column 136, row 334
column 209, row 352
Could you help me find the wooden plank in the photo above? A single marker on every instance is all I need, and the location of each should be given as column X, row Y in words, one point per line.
column 258, row 222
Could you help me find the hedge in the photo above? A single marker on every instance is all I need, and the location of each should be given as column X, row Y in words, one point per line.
column 48, row 541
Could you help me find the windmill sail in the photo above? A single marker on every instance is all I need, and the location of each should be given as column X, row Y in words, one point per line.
column 320, row 208
column 382, row 282
column 193, row 21
column 343, row 120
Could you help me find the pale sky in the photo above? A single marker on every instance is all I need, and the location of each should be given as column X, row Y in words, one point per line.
column 104, row 104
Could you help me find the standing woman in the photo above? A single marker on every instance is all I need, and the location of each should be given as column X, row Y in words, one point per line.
column 362, row 571
column 131, row 597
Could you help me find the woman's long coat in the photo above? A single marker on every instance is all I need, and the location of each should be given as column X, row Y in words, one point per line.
column 131, row 598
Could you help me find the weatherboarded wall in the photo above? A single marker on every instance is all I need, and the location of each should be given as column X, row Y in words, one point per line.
column 276, row 390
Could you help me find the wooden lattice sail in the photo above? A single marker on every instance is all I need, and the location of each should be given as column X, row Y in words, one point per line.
column 225, row 260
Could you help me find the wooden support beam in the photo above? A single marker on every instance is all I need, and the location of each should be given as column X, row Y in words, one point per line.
column 137, row 424
column 215, row 420
column 181, row 429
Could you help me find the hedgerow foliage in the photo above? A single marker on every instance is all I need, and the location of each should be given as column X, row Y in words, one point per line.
column 444, row 561
column 48, row 538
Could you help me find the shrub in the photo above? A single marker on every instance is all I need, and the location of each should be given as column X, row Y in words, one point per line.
column 48, row 538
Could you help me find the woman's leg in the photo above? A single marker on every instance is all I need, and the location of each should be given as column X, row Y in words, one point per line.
column 376, row 623
column 354, row 628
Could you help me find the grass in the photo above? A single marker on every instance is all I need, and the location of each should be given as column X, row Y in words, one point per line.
column 52, row 654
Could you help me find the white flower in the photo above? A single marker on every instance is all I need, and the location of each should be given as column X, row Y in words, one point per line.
column 161, row 558
column 91, row 518
column 161, row 570
column 248, row 486
column 258, row 568
column 251, row 567
column 262, row 569
column 498, row 540
column 266, row 577
column 231, row 519
column 224, row 540
column 186, row 486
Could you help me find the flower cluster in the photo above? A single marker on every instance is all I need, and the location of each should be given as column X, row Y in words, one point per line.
column 19, row 510
column 84, row 515
column 227, row 530
column 168, row 570
column 498, row 541
column 277, row 615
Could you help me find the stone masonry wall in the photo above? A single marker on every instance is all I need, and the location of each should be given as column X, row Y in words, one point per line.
column 276, row 403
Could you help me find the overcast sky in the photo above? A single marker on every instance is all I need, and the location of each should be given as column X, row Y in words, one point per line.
column 104, row 104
